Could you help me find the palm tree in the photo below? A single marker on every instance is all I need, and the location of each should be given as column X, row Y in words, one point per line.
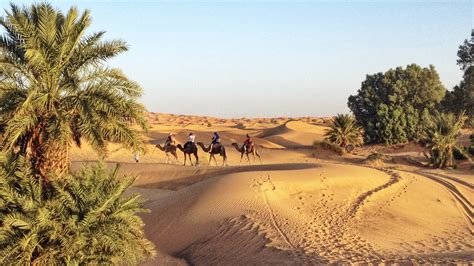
column 344, row 131
column 81, row 220
column 56, row 90
column 441, row 139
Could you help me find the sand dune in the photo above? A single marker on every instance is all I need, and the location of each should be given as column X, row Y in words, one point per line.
column 318, row 215
column 300, row 206
column 293, row 134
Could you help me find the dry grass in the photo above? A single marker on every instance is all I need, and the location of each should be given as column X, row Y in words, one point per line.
column 328, row 146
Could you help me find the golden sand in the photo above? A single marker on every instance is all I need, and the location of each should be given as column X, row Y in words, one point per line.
column 299, row 206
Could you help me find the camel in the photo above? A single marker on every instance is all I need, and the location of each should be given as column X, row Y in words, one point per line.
column 243, row 151
column 216, row 149
column 189, row 149
column 168, row 149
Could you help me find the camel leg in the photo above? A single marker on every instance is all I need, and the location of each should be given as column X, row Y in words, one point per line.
column 210, row 158
column 190, row 159
column 167, row 158
column 185, row 158
column 196, row 156
column 215, row 161
column 241, row 156
column 258, row 155
column 248, row 158
column 175, row 157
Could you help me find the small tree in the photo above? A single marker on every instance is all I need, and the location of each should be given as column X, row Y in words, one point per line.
column 84, row 219
column 441, row 139
column 344, row 131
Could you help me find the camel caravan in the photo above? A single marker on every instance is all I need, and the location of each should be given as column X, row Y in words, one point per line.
column 190, row 149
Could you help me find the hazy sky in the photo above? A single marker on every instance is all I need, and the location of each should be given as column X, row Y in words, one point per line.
column 274, row 58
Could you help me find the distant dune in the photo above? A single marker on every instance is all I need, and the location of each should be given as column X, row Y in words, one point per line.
column 301, row 205
column 294, row 134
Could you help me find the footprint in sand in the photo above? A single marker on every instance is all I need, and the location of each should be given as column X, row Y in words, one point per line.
column 263, row 184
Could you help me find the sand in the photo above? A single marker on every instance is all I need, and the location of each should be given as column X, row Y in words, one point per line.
column 299, row 206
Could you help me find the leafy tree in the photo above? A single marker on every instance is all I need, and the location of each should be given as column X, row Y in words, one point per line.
column 393, row 107
column 344, row 131
column 84, row 219
column 55, row 89
column 461, row 98
column 441, row 139
column 466, row 53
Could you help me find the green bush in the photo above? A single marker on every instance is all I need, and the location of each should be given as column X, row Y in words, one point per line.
column 344, row 131
column 81, row 219
column 395, row 106
column 441, row 139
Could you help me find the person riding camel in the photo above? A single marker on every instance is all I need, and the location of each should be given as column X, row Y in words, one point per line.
column 248, row 143
column 170, row 140
column 216, row 140
column 191, row 139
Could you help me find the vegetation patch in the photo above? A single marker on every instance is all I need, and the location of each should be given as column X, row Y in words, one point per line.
column 378, row 158
column 328, row 146
column 344, row 132
column 81, row 219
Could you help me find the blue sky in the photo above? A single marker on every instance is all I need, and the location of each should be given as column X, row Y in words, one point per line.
column 274, row 58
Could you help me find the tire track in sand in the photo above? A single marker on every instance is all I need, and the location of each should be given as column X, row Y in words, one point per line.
column 465, row 205
column 264, row 186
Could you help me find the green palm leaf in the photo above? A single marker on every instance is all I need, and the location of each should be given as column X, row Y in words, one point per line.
column 56, row 90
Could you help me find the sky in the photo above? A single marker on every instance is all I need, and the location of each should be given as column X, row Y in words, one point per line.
column 273, row 58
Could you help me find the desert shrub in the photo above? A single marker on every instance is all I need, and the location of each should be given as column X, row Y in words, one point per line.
column 209, row 124
column 375, row 156
column 82, row 219
column 344, row 131
column 328, row 146
column 395, row 106
column 441, row 138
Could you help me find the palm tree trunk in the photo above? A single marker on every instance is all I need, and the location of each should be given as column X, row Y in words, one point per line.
column 50, row 159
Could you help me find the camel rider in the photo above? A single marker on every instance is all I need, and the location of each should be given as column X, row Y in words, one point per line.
column 170, row 140
column 191, row 139
column 248, row 143
column 216, row 140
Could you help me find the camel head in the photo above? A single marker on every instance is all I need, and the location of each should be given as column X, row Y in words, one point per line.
column 204, row 148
